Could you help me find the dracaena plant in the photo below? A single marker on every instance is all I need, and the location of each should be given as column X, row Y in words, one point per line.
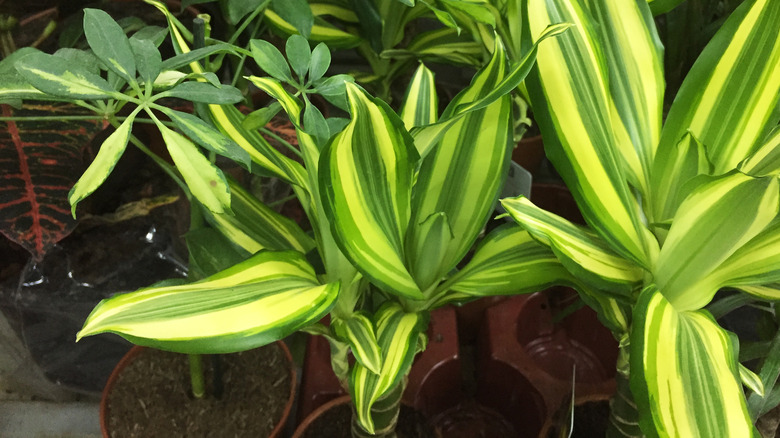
column 395, row 203
column 676, row 208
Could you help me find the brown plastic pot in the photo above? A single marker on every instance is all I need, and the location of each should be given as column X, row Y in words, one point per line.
column 529, row 153
column 434, row 381
column 136, row 351
column 527, row 360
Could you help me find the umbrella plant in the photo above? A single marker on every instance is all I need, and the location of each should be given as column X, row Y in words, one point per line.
column 395, row 202
column 676, row 208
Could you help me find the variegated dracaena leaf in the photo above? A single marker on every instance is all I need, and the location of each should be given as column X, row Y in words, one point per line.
column 573, row 105
column 366, row 183
column 581, row 251
column 421, row 104
column 684, row 374
column 397, row 333
column 462, row 176
column 729, row 99
column 253, row 303
column 358, row 332
column 254, row 226
column 713, row 222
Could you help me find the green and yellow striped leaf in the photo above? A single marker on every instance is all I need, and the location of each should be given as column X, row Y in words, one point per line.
column 755, row 265
column 766, row 160
column 207, row 136
column 509, row 261
column 321, row 31
column 397, row 334
column 464, row 173
column 424, row 253
column 634, row 71
column 421, row 103
column 206, row 181
column 712, row 223
column 427, row 137
column 586, row 255
column 110, row 151
column 365, row 177
column 253, row 303
column 358, row 331
column 684, row 374
column 254, row 226
column 729, row 99
column 751, row 380
column 575, row 109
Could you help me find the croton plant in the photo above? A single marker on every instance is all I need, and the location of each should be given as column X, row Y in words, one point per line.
column 677, row 207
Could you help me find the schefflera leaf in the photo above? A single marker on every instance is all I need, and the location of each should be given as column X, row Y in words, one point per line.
column 253, row 303
column 366, row 181
column 397, row 333
column 462, row 175
column 687, row 385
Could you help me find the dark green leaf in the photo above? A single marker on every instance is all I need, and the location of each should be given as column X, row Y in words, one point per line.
column 296, row 12
column 238, row 9
column 155, row 34
column 299, row 55
column 147, row 59
column 206, row 93
column 333, row 89
column 271, row 60
column 196, row 55
column 210, row 252
column 320, row 61
column 259, row 118
column 314, row 123
column 108, row 41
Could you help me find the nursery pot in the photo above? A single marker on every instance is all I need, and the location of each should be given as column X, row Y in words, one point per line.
column 533, row 354
column 333, row 420
column 260, row 379
column 433, row 382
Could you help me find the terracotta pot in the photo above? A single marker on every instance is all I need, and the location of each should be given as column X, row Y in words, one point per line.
column 434, row 382
column 527, row 360
column 137, row 351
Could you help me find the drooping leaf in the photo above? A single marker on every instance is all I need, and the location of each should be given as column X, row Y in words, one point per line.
column 107, row 157
column 581, row 251
column 684, row 373
column 253, row 303
column 706, row 231
column 366, row 183
column 509, row 261
column 253, row 226
column 207, row 136
column 13, row 87
column 766, row 160
column 206, row 182
column 755, row 264
column 39, row 162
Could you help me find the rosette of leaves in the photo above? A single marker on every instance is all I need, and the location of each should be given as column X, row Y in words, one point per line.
column 395, row 202
column 127, row 75
column 676, row 208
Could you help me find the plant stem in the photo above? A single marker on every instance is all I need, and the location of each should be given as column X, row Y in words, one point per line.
column 384, row 412
column 623, row 414
column 196, row 375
